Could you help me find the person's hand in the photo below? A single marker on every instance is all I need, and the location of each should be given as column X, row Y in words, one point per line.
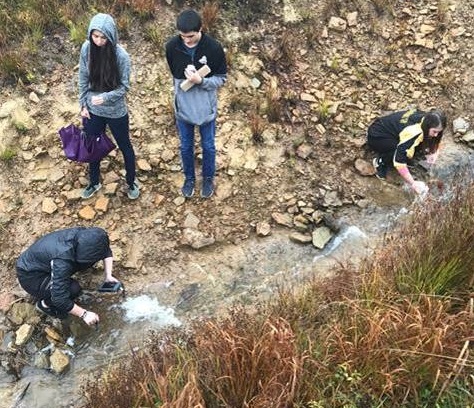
column 420, row 187
column 97, row 100
column 90, row 318
column 193, row 76
column 111, row 279
column 85, row 113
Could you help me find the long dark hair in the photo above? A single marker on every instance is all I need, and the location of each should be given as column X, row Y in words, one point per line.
column 433, row 119
column 103, row 67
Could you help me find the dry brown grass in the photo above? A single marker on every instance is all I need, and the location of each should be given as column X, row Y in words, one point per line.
column 210, row 16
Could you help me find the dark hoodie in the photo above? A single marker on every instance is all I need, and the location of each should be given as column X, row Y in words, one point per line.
column 60, row 254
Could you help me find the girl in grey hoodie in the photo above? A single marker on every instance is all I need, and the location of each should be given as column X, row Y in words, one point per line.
column 104, row 79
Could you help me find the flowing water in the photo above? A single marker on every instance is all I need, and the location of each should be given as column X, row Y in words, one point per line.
column 210, row 283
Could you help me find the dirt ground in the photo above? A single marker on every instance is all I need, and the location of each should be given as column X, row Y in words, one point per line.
column 322, row 80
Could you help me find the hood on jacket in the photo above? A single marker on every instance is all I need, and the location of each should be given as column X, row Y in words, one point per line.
column 106, row 25
column 92, row 245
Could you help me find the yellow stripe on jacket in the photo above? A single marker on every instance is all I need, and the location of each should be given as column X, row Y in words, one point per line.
column 410, row 138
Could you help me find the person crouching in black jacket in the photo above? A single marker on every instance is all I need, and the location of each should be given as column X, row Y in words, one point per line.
column 45, row 269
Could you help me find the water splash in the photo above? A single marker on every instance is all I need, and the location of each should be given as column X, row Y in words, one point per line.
column 350, row 232
column 146, row 308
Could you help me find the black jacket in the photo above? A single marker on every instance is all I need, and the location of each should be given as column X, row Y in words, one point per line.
column 60, row 254
column 178, row 59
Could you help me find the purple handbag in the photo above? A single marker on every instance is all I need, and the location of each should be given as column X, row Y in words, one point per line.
column 79, row 147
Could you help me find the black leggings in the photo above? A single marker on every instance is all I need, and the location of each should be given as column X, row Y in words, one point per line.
column 382, row 142
column 38, row 285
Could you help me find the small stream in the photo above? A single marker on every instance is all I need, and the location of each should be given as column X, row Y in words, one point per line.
column 253, row 271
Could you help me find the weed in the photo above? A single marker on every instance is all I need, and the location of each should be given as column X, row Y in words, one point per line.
column 210, row 14
column 77, row 32
column 256, row 127
column 13, row 65
column 444, row 16
column 154, row 34
column 273, row 103
column 8, row 154
column 323, row 111
column 334, row 64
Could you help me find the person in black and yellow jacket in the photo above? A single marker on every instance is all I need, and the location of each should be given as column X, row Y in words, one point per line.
column 397, row 136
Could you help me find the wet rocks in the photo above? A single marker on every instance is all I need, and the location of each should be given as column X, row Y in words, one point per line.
column 23, row 334
column 59, row 361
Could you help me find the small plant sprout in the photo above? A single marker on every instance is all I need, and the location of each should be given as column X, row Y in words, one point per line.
column 8, row 154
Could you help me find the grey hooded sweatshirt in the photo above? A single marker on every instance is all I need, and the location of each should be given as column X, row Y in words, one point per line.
column 59, row 255
column 114, row 105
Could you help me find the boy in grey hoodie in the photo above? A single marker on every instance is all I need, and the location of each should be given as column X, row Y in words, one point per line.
column 186, row 53
column 104, row 79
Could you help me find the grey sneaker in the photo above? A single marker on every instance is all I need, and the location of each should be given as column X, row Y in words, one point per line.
column 188, row 188
column 133, row 191
column 207, row 187
column 90, row 190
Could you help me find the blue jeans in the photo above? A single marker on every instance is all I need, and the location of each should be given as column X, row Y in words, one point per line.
column 120, row 131
column 208, row 135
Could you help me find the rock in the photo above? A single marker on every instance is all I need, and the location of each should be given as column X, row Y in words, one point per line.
column 307, row 97
column 102, row 204
column 196, row 239
column 283, row 219
column 427, row 29
column 263, row 229
column 191, row 221
column 142, row 164
column 6, row 300
column 321, row 237
column 59, row 361
column 460, row 125
column 33, row 97
column 23, row 334
column 337, row 23
column 179, row 201
column 41, row 361
column 352, row 18
column 159, row 198
column 300, row 238
column 111, row 188
column 304, row 150
column 468, row 137
column 87, row 213
column 21, row 312
column 364, row 168
column 321, row 129
column 331, row 222
column 48, row 206
column 72, row 195
column 167, row 155
column 255, row 83
column 53, row 334
column 133, row 256
column 331, row 199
